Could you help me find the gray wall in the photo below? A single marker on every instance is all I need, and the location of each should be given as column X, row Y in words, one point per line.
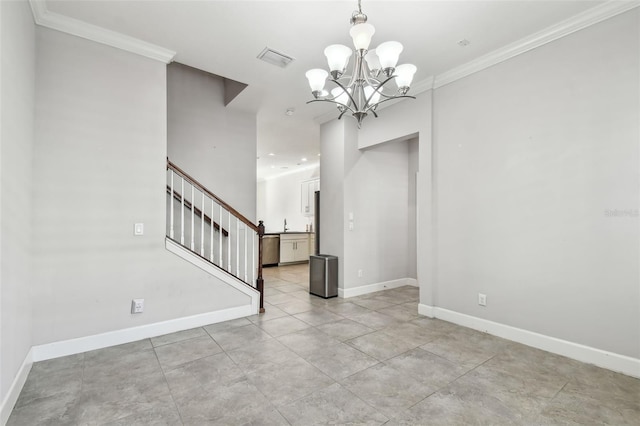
column 332, row 224
column 529, row 159
column 411, row 121
column 531, row 154
column 213, row 143
column 376, row 185
column 372, row 184
column 17, row 70
column 99, row 167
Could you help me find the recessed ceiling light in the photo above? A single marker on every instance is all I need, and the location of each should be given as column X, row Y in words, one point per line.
column 290, row 111
column 271, row 154
column 464, row 42
column 303, row 159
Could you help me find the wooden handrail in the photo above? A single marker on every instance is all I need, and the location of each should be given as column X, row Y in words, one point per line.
column 177, row 196
column 258, row 229
column 192, row 181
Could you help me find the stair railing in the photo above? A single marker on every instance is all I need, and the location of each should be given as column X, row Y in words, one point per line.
column 207, row 226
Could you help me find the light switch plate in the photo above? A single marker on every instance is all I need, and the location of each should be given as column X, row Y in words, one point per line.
column 138, row 229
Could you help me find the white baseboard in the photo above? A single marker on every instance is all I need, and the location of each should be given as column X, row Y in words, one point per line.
column 372, row 288
column 11, row 397
column 609, row 360
column 412, row 282
column 118, row 337
column 426, row 310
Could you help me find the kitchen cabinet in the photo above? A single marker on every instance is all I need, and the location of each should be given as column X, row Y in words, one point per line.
column 308, row 189
column 294, row 248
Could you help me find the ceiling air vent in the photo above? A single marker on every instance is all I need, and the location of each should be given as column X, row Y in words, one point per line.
column 274, row 57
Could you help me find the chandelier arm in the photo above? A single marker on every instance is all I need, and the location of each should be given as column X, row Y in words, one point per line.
column 370, row 107
column 353, row 101
column 333, row 102
column 385, row 82
column 377, row 90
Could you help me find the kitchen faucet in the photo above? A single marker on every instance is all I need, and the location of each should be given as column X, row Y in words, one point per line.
column 285, row 225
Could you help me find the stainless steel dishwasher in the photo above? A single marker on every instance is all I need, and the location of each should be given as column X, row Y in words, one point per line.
column 270, row 250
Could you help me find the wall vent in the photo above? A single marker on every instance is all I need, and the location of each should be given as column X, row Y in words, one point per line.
column 274, row 57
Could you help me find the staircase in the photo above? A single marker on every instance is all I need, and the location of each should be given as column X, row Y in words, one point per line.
column 208, row 232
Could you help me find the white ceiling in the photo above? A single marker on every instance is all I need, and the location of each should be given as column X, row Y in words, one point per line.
column 224, row 38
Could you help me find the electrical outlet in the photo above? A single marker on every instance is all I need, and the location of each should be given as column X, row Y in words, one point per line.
column 137, row 306
column 482, row 299
column 359, row 273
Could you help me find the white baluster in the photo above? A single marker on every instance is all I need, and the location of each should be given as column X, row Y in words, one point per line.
column 246, row 231
column 229, row 243
column 193, row 217
column 171, row 233
column 237, row 248
column 211, row 245
column 182, row 213
column 220, row 238
column 202, row 226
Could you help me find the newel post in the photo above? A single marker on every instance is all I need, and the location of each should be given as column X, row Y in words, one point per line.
column 260, row 281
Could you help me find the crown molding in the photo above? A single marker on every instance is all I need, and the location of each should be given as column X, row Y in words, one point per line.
column 576, row 23
column 44, row 17
column 423, row 85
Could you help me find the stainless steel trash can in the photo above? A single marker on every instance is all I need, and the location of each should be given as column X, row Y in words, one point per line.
column 323, row 275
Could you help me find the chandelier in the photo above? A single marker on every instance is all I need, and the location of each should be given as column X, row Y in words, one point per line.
column 362, row 91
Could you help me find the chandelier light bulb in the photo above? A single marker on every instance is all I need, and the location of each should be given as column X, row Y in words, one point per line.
column 317, row 77
column 368, row 91
column 404, row 76
column 361, row 35
column 373, row 62
column 389, row 53
column 337, row 57
column 340, row 96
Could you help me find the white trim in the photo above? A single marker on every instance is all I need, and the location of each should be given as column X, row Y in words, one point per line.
column 412, row 282
column 196, row 260
column 426, row 310
column 609, row 360
column 569, row 26
column 118, row 337
column 372, row 288
column 44, row 17
column 11, row 397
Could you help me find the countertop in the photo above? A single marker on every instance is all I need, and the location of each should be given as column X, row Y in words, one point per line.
column 288, row 232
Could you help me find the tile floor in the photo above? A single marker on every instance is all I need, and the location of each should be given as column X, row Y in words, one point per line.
column 368, row 360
